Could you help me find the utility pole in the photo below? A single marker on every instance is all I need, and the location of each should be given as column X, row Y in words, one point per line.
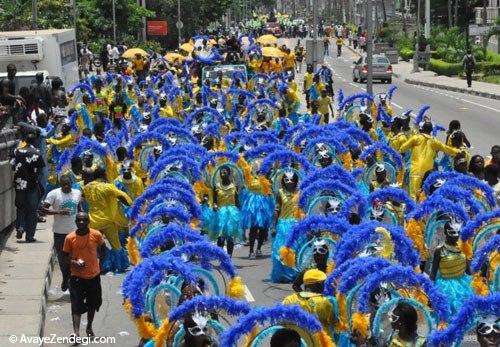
column 74, row 10
column 427, row 29
column 144, row 33
column 415, row 55
column 179, row 22
column 114, row 22
column 34, row 13
column 369, row 46
column 315, row 34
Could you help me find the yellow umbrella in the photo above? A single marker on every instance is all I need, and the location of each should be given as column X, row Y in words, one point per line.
column 188, row 47
column 130, row 53
column 272, row 52
column 172, row 56
column 267, row 40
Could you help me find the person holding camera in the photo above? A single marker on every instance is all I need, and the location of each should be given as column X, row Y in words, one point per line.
column 84, row 247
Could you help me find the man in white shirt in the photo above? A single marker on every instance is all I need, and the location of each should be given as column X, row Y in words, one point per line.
column 63, row 203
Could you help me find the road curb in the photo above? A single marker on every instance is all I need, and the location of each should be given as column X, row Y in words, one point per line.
column 453, row 89
column 46, row 288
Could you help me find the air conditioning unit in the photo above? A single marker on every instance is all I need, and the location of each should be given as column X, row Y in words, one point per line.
column 23, row 49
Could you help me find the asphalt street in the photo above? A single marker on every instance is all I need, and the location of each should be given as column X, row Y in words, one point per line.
column 479, row 117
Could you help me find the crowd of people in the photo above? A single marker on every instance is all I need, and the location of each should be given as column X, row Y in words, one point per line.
column 387, row 235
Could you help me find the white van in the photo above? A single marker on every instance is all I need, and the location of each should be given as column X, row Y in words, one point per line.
column 26, row 78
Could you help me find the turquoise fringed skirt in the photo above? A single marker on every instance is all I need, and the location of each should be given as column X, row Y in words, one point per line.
column 115, row 261
column 457, row 290
column 281, row 273
column 227, row 223
column 257, row 210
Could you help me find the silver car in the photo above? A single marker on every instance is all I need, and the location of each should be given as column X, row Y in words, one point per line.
column 382, row 69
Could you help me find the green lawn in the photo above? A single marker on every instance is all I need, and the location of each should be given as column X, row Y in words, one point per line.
column 491, row 79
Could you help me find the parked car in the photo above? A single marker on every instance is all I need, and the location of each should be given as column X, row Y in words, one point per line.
column 382, row 69
column 273, row 28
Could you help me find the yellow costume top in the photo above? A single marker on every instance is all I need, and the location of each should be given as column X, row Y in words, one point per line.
column 308, row 80
column 324, row 104
column 166, row 112
column 133, row 187
column 226, row 195
column 288, row 204
column 396, row 141
column 315, row 304
column 396, row 341
column 63, row 142
column 423, row 151
column 453, row 262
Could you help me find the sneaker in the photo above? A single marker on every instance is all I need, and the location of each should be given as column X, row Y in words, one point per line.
column 31, row 240
column 251, row 255
column 258, row 253
column 64, row 286
column 19, row 234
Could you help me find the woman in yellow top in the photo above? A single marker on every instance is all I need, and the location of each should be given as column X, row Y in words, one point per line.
column 404, row 322
column 285, row 217
column 450, row 268
column 103, row 198
column 325, row 107
column 227, row 214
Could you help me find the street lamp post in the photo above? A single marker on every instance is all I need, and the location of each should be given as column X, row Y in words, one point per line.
column 34, row 13
column 315, row 34
column 369, row 47
column 114, row 21
column 179, row 22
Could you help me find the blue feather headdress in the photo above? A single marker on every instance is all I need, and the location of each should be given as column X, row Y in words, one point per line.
column 170, row 232
column 89, row 145
column 285, row 158
column 64, row 160
column 436, row 128
column 215, row 115
column 350, row 99
column 438, row 203
column 189, row 167
column 340, row 97
column 345, row 275
column 192, row 150
column 356, row 201
column 84, row 88
column 354, row 132
column 138, row 280
column 390, row 91
column 313, row 223
column 160, row 190
column 404, row 276
column 481, row 255
column 386, row 150
column 470, row 228
column 358, row 236
column 279, row 314
column 457, row 194
column 320, row 187
column 437, row 175
column 382, row 115
column 179, row 132
column 292, row 131
column 421, row 113
column 333, row 172
column 212, row 158
column 469, row 182
column 470, row 310
column 392, row 194
column 251, row 109
column 268, row 136
column 206, row 252
column 263, row 150
column 146, row 137
column 180, row 215
column 203, row 303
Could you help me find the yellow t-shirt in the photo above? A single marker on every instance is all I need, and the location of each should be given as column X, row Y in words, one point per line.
column 289, row 61
column 323, row 104
column 308, row 80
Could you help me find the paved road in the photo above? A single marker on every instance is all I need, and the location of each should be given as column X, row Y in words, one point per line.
column 479, row 117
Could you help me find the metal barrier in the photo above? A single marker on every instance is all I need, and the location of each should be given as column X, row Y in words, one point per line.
column 7, row 194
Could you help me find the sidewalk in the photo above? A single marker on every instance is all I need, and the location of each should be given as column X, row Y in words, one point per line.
column 403, row 70
column 25, row 275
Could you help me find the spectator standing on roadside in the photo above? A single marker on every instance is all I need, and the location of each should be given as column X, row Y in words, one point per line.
column 469, row 64
column 326, row 45
column 41, row 93
column 27, row 165
column 84, row 249
column 63, row 203
column 362, row 42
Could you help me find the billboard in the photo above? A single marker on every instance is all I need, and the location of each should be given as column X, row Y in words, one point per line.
column 157, row 27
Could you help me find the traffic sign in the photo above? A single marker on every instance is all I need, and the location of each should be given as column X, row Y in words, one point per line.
column 179, row 24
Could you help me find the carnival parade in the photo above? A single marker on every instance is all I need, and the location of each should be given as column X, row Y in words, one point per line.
column 383, row 224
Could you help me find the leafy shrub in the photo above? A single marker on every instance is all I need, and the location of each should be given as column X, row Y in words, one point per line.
column 444, row 68
column 406, row 53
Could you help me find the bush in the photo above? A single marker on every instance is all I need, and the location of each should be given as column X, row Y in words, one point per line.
column 443, row 68
column 488, row 68
column 406, row 53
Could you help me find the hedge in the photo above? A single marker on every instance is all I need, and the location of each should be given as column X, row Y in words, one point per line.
column 440, row 67
column 406, row 53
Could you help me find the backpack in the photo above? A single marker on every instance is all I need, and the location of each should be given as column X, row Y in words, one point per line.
column 469, row 62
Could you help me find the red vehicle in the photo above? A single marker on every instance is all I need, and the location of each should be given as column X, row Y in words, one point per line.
column 273, row 28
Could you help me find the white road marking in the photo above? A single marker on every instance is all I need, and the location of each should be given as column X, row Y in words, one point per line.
column 475, row 103
column 248, row 296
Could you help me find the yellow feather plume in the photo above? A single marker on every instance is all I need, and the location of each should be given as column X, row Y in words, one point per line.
column 161, row 334
column 330, row 267
column 479, row 285
column 387, row 244
column 127, row 306
column 288, row 256
column 236, row 288
column 265, row 185
column 133, row 252
column 442, row 325
column 144, row 328
column 400, row 177
column 323, row 339
column 250, row 337
column 415, row 231
column 347, row 161
column 361, row 323
column 466, row 248
column 342, row 303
